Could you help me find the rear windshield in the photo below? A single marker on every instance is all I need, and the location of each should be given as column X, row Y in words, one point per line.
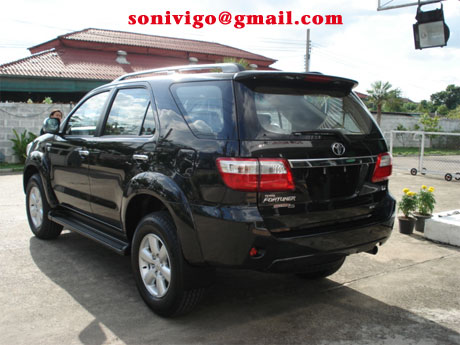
column 277, row 112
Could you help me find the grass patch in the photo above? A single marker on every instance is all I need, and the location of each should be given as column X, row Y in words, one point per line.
column 415, row 151
column 14, row 166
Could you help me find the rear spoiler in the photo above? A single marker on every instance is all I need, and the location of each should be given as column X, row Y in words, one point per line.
column 302, row 81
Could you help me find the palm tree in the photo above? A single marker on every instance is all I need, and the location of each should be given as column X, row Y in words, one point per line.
column 379, row 95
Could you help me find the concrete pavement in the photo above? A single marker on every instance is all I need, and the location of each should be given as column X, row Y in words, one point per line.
column 73, row 291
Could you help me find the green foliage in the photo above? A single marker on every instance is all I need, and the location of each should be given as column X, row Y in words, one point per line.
column 454, row 114
column 410, row 107
column 243, row 62
column 47, row 100
column 450, row 97
column 426, row 107
column 426, row 200
column 430, row 124
column 442, row 110
column 20, row 144
column 408, row 203
column 394, row 103
column 379, row 95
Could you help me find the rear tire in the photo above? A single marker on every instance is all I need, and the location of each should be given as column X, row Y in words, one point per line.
column 37, row 211
column 159, row 267
column 325, row 271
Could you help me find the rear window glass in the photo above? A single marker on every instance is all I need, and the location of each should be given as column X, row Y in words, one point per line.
column 208, row 108
column 281, row 112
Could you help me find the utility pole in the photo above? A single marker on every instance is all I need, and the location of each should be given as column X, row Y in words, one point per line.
column 307, row 53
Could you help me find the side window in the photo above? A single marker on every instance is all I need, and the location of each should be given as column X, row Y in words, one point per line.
column 127, row 114
column 207, row 107
column 84, row 120
column 148, row 127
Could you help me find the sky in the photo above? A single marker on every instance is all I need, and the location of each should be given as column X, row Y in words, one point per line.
column 370, row 45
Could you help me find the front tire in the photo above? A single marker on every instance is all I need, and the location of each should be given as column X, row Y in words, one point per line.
column 159, row 267
column 37, row 211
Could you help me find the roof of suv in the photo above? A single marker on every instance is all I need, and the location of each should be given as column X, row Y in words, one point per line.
column 227, row 71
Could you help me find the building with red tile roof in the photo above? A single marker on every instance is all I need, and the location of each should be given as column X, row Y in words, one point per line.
column 67, row 67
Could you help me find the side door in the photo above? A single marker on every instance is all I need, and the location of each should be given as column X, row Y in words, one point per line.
column 124, row 148
column 69, row 154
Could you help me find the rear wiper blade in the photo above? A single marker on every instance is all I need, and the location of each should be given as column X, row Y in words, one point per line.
column 335, row 132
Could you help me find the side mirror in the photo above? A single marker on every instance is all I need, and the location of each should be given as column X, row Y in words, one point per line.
column 51, row 125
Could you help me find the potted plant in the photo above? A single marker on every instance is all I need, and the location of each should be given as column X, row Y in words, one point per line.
column 425, row 207
column 407, row 205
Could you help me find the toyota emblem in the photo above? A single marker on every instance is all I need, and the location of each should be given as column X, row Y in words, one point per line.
column 338, row 149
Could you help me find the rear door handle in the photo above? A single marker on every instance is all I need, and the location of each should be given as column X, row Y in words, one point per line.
column 83, row 153
column 141, row 157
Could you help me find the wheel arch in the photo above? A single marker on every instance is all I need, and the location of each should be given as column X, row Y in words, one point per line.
column 149, row 192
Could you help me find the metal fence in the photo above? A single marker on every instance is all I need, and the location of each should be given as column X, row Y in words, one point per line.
column 423, row 153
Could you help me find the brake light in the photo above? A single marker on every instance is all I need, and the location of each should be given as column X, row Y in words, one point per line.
column 383, row 167
column 318, row 78
column 256, row 175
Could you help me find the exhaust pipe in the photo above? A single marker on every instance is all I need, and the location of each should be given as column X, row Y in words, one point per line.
column 373, row 251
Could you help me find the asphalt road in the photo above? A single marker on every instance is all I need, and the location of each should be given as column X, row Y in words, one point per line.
column 72, row 291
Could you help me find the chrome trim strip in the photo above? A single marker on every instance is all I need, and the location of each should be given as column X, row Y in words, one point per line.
column 331, row 162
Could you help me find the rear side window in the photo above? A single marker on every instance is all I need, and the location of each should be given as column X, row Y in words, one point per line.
column 130, row 113
column 84, row 120
column 274, row 112
column 208, row 108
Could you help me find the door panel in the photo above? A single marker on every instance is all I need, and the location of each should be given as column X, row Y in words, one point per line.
column 69, row 154
column 124, row 150
column 69, row 172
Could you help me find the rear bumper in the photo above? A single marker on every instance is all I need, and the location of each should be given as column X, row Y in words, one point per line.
column 228, row 234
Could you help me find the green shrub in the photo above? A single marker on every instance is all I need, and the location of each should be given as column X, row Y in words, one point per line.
column 20, row 144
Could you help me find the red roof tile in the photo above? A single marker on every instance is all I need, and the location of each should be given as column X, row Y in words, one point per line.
column 157, row 42
column 83, row 64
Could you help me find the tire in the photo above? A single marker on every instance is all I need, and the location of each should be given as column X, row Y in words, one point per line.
column 448, row 177
column 413, row 171
column 37, row 208
column 325, row 271
column 161, row 272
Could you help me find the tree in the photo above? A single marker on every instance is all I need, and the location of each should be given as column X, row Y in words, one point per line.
column 394, row 103
column 430, row 124
column 454, row 114
column 442, row 110
column 450, row 97
column 426, row 107
column 380, row 94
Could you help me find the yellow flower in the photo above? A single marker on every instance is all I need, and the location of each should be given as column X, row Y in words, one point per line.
column 406, row 190
column 431, row 189
column 411, row 193
column 424, row 187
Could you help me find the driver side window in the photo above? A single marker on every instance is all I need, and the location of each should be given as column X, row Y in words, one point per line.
column 84, row 120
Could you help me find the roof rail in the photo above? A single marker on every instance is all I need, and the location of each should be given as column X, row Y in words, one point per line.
column 225, row 67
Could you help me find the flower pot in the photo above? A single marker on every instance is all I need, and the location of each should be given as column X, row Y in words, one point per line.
column 420, row 222
column 406, row 225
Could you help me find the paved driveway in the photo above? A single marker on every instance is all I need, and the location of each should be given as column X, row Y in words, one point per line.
column 72, row 291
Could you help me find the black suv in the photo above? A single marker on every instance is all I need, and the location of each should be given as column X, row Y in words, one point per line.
column 195, row 167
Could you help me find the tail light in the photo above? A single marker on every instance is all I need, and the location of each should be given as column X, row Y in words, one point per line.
column 256, row 175
column 383, row 167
